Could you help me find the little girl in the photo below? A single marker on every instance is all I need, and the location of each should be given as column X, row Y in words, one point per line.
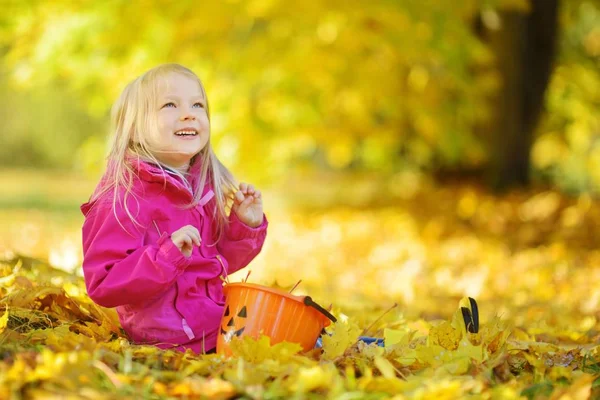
column 157, row 240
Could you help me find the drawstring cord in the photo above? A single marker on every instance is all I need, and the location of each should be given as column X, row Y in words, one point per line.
column 158, row 230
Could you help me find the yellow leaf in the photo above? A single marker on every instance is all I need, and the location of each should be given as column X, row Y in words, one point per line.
column 392, row 337
column 312, row 378
column 4, row 320
column 370, row 351
column 256, row 351
column 28, row 298
column 466, row 349
column 380, row 384
column 19, row 371
column 520, row 334
column 506, row 393
column 385, row 367
column 181, row 389
column 344, row 335
column 160, row 388
column 432, row 355
column 495, row 334
column 458, row 367
column 63, row 339
column 557, row 373
column 407, row 357
column 217, row 389
column 580, row 389
column 445, row 335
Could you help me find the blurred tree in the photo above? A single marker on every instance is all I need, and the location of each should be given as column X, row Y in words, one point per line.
column 567, row 150
column 525, row 46
column 42, row 128
column 379, row 86
column 375, row 86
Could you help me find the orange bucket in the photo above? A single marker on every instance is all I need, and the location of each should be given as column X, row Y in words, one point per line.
column 252, row 310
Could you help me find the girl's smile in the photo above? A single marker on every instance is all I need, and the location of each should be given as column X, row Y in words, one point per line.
column 188, row 133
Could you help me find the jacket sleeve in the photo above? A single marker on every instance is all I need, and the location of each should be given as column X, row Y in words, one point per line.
column 118, row 268
column 241, row 243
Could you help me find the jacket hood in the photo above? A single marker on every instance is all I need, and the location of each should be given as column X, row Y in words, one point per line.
column 149, row 172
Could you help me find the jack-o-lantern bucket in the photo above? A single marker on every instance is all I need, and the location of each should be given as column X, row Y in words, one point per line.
column 252, row 310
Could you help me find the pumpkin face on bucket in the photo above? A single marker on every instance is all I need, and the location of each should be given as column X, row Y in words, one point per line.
column 235, row 324
column 254, row 310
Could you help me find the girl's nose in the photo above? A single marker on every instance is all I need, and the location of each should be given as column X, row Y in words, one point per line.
column 187, row 115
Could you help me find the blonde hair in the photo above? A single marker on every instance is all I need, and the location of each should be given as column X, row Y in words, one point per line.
column 133, row 119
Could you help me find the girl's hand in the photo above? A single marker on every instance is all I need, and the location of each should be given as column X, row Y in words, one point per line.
column 184, row 238
column 247, row 205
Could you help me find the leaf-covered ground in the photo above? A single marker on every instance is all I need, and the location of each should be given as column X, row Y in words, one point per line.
column 529, row 258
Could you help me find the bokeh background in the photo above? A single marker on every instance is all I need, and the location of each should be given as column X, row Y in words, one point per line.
column 410, row 151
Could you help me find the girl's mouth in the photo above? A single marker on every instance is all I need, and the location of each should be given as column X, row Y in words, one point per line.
column 187, row 132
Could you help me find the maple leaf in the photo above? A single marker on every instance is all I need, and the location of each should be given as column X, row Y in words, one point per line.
column 445, row 335
column 343, row 335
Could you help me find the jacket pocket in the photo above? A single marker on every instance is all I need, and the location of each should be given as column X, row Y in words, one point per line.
column 214, row 291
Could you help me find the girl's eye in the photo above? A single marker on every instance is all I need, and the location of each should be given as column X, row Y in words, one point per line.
column 170, row 104
column 199, row 105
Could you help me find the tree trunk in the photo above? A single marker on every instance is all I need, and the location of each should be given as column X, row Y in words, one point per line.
column 525, row 47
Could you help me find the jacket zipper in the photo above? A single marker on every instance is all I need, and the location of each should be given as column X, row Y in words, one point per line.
column 224, row 279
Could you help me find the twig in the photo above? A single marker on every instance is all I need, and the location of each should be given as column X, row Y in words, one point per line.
column 292, row 289
column 399, row 373
column 247, row 276
column 367, row 329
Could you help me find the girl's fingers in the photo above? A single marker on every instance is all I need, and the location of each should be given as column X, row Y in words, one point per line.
column 188, row 235
column 184, row 242
column 194, row 231
column 248, row 189
column 246, row 203
column 194, row 235
column 257, row 194
column 239, row 197
column 186, row 249
column 186, row 239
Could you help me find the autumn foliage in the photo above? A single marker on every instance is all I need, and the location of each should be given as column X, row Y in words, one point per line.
column 396, row 272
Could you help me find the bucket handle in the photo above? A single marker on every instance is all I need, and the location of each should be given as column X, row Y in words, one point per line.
column 310, row 302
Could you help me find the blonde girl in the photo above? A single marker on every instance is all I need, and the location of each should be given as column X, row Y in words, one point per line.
column 167, row 220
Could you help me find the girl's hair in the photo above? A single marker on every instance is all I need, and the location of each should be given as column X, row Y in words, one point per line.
column 134, row 122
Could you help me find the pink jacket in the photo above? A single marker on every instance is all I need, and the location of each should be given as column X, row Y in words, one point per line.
column 161, row 296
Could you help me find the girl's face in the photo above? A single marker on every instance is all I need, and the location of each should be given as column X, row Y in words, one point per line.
column 183, row 127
